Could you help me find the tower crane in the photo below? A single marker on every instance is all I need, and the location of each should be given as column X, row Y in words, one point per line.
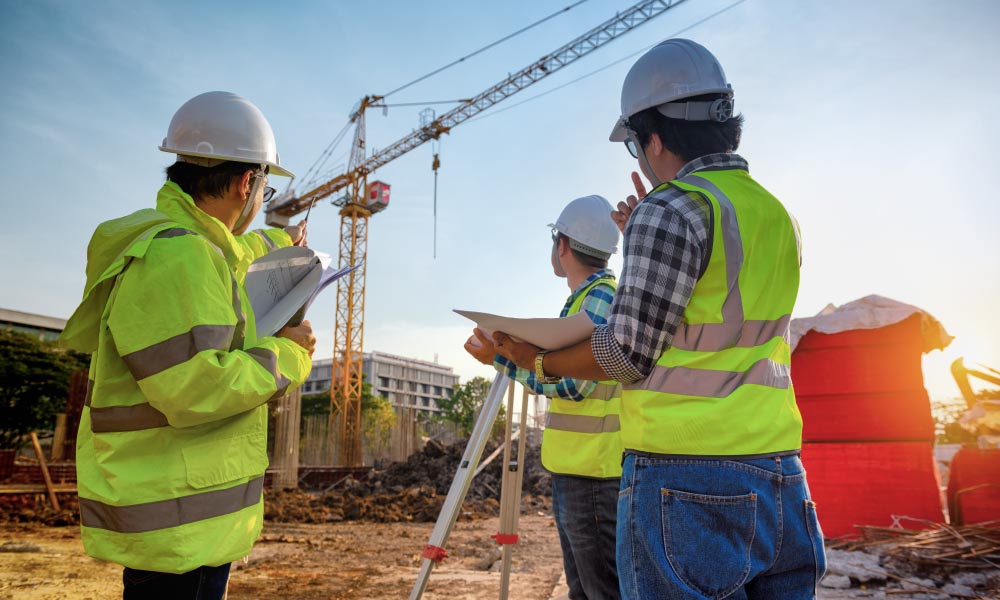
column 360, row 202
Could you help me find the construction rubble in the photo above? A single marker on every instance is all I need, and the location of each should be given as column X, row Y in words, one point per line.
column 414, row 490
column 939, row 563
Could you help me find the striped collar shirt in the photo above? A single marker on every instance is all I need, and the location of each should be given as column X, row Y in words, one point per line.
column 667, row 242
column 597, row 305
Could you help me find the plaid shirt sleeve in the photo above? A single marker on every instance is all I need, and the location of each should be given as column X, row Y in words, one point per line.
column 667, row 241
column 597, row 305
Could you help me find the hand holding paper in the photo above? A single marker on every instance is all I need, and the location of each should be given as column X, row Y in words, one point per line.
column 547, row 334
column 282, row 284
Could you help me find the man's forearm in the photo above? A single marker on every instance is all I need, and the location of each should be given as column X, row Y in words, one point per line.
column 576, row 361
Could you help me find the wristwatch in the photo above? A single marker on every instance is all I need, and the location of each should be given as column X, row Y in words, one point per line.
column 540, row 372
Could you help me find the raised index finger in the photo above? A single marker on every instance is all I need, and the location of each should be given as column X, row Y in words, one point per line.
column 640, row 187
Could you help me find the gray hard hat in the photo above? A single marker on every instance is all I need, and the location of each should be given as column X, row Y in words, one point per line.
column 673, row 70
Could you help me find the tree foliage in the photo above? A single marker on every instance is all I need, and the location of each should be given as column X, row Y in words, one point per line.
column 464, row 404
column 34, row 381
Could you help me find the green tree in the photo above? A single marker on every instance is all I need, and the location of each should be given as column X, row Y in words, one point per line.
column 465, row 402
column 378, row 419
column 34, row 380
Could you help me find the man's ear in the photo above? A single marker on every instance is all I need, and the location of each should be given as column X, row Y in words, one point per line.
column 243, row 184
column 563, row 246
column 656, row 146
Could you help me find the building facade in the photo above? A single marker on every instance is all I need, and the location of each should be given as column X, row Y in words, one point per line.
column 37, row 326
column 407, row 382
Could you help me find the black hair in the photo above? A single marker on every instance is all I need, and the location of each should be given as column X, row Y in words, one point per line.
column 688, row 139
column 585, row 259
column 201, row 182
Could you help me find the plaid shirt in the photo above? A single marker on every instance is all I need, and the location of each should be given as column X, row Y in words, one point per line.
column 597, row 305
column 668, row 240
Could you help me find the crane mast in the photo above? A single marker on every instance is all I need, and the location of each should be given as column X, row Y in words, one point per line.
column 345, row 393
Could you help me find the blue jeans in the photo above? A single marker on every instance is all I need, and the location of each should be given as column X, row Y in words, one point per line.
column 696, row 529
column 204, row 583
column 584, row 511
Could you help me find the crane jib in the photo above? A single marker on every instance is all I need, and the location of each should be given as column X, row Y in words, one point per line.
column 592, row 40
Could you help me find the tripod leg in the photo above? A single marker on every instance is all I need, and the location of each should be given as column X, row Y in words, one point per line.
column 434, row 550
column 510, row 495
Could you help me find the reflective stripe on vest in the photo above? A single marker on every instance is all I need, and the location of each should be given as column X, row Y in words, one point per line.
column 605, row 391
column 267, row 241
column 581, row 438
column 163, row 514
column 177, row 350
column 734, row 331
column 724, row 388
column 582, row 423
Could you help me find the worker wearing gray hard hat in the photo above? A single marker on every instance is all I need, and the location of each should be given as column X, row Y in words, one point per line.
column 714, row 502
column 581, row 445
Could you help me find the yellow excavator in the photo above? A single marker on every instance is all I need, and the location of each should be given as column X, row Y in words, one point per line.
column 962, row 374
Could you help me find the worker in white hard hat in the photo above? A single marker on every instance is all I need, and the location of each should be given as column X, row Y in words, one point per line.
column 581, row 445
column 714, row 501
column 172, row 444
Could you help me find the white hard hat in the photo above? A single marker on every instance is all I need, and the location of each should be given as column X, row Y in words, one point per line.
column 673, row 70
column 587, row 223
column 220, row 126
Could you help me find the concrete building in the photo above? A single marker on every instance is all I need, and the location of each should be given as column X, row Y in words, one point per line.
column 37, row 326
column 403, row 381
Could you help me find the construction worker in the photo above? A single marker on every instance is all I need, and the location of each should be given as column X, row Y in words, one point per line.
column 172, row 445
column 581, row 445
column 714, row 501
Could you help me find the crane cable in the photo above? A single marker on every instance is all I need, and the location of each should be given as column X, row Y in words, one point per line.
column 482, row 116
column 323, row 157
column 486, row 47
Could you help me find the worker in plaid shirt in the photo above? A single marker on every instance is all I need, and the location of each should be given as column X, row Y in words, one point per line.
column 581, row 445
column 713, row 501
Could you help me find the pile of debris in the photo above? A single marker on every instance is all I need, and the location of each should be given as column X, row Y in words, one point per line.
column 939, row 563
column 414, row 490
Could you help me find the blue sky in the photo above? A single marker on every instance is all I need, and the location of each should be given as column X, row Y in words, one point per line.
column 872, row 121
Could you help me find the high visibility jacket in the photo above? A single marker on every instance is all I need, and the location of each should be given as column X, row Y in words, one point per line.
column 583, row 438
column 172, row 445
column 723, row 386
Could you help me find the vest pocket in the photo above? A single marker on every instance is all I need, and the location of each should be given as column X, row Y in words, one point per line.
column 225, row 460
column 707, row 539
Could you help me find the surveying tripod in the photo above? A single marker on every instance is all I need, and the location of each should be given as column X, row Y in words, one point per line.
column 510, row 490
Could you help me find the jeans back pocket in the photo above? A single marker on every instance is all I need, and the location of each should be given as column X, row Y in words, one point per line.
column 707, row 539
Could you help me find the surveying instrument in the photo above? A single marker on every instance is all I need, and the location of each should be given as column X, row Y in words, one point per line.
column 510, row 490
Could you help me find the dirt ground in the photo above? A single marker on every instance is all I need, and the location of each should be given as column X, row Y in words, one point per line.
column 348, row 560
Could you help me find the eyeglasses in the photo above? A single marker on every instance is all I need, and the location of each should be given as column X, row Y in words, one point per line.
column 555, row 234
column 268, row 193
column 632, row 146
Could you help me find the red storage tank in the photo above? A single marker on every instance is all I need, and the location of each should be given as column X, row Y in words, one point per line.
column 867, row 483
column 974, row 486
column 863, row 384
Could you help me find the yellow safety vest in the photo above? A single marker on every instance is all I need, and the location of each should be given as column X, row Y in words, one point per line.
column 172, row 445
column 582, row 437
column 723, row 386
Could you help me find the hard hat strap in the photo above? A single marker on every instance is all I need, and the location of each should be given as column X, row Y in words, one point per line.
column 719, row 110
column 258, row 181
column 647, row 170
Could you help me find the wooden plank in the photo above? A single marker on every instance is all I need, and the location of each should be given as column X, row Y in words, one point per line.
column 37, row 488
column 45, row 470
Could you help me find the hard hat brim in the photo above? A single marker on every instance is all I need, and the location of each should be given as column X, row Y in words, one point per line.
column 273, row 169
column 619, row 133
